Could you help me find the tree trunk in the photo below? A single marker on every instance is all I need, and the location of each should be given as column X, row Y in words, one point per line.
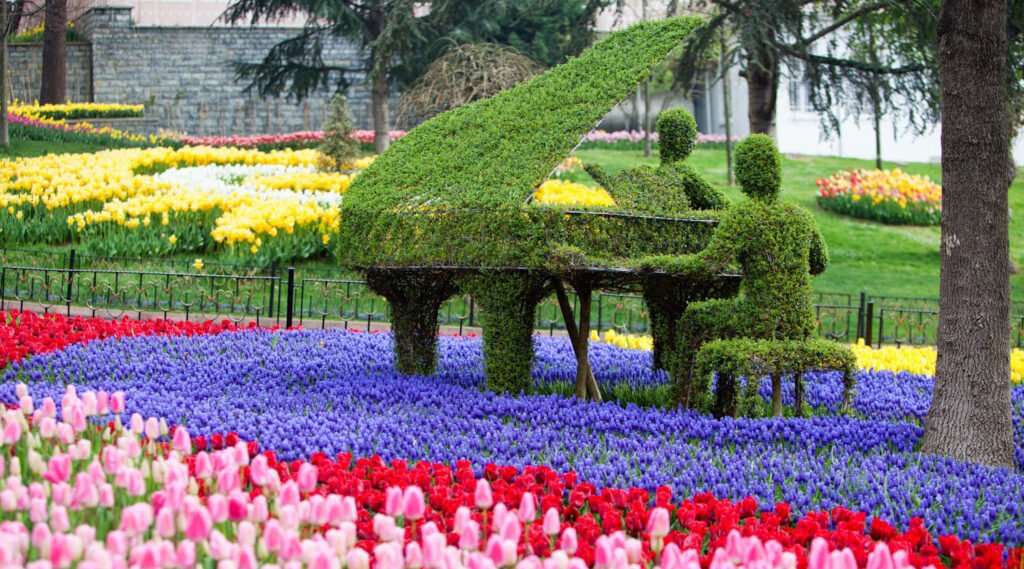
column 762, row 87
column 726, row 105
column 970, row 417
column 5, row 31
column 381, row 130
column 877, row 110
column 647, row 118
column 586, row 384
column 54, row 85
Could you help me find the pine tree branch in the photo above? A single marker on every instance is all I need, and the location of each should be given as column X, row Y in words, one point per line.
column 835, row 25
column 845, row 63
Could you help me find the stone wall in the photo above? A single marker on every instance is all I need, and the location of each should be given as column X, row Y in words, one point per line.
column 26, row 64
column 186, row 79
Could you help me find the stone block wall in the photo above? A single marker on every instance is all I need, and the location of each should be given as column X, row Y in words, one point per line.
column 26, row 64
column 185, row 76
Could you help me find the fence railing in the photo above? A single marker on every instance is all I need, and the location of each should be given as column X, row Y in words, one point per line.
column 317, row 298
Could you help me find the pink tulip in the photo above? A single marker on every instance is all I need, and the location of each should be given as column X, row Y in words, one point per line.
column 260, row 509
column 228, row 480
column 117, row 402
column 291, row 548
column 433, row 550
column 152, row 428
column 551, row 524
column 182, row 442
column 658, row 523
column 462, row 515
column 47, row 428
column 59, row 469
column 470, row 538
column 393, row 501
column 137, row 424
column 185, row 554
column 26, row 405
column 198, row 523
column 102, row 403
column 106, row 495
column 49, row 408
column 218, row 507
column 880, row 558
column 818, row 557
column 61, row 554
column 165, row 525
column 349, row 512
column 307, row 477
column 511, row 529
column 203, row 467
column 89, row 403
column 136, row 483
column 484, row 499
column 12, row 432
column 494, row 551
column 527, row 508
column 41, row 534
column 258, row 470
column 569, row 542
column 289, row 494
column 136, row 519
column 273, row 535
column 414, row 503
column 245, row 557
column 37, row 511
column 357, row 559
column 322, row 560
column 413, row 555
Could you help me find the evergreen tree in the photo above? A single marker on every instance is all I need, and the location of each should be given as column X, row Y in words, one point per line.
column 338, row 149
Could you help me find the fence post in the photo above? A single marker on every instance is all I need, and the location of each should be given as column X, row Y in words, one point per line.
column 860, row 315
column 71, row 277
column 869, row 325
column 273, row 277
column 291, row 298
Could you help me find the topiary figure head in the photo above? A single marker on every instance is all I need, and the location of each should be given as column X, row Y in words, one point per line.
column 759, row 167
column 677, row 134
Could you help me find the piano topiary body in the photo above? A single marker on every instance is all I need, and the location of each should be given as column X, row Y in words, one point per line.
column 448, row 208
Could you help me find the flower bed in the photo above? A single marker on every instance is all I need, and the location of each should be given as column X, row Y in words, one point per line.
column 27, row 333
column 302, row 139
column 150, row 496
column 282, row 388
column 256, row 207
column 887, row 196
column 75, row 111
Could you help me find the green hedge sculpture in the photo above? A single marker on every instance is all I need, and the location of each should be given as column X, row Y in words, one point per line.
column 777, row 246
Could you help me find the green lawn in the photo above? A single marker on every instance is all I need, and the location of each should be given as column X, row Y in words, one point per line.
column 21, row 148
column 881, row 259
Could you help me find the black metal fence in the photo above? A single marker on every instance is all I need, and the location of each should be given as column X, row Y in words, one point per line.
column 319, row 297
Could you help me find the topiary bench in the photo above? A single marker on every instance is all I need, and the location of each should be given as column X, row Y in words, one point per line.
column 755, row 359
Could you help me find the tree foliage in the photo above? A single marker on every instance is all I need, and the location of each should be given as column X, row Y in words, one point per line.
column 338, row 149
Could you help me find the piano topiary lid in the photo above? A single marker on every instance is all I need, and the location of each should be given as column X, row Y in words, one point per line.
column 490, row 155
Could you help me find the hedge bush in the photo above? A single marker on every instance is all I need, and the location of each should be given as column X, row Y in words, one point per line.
column 486, row 158
column 677, row 135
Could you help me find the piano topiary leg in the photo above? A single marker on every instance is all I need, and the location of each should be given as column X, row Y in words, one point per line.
column 509, row 306
column 415, row 298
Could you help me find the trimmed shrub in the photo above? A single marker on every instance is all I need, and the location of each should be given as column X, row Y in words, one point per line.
column 759, row 167
column 481, row 162
column 508, row 303
column 415, row 299
column 677, row 135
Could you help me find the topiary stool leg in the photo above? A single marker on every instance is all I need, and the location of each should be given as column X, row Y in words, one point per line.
column 508, row 302
column 415, row 299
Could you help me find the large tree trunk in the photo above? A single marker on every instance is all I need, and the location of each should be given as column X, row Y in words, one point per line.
column 970, row 417
column 5, row 31
column 54, row 89
column 381, row 134
column 762, row 88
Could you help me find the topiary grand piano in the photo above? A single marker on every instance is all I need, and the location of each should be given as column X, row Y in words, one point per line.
column 449, row 208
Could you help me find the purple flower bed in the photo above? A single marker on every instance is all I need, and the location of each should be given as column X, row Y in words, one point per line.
column 309, row 391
